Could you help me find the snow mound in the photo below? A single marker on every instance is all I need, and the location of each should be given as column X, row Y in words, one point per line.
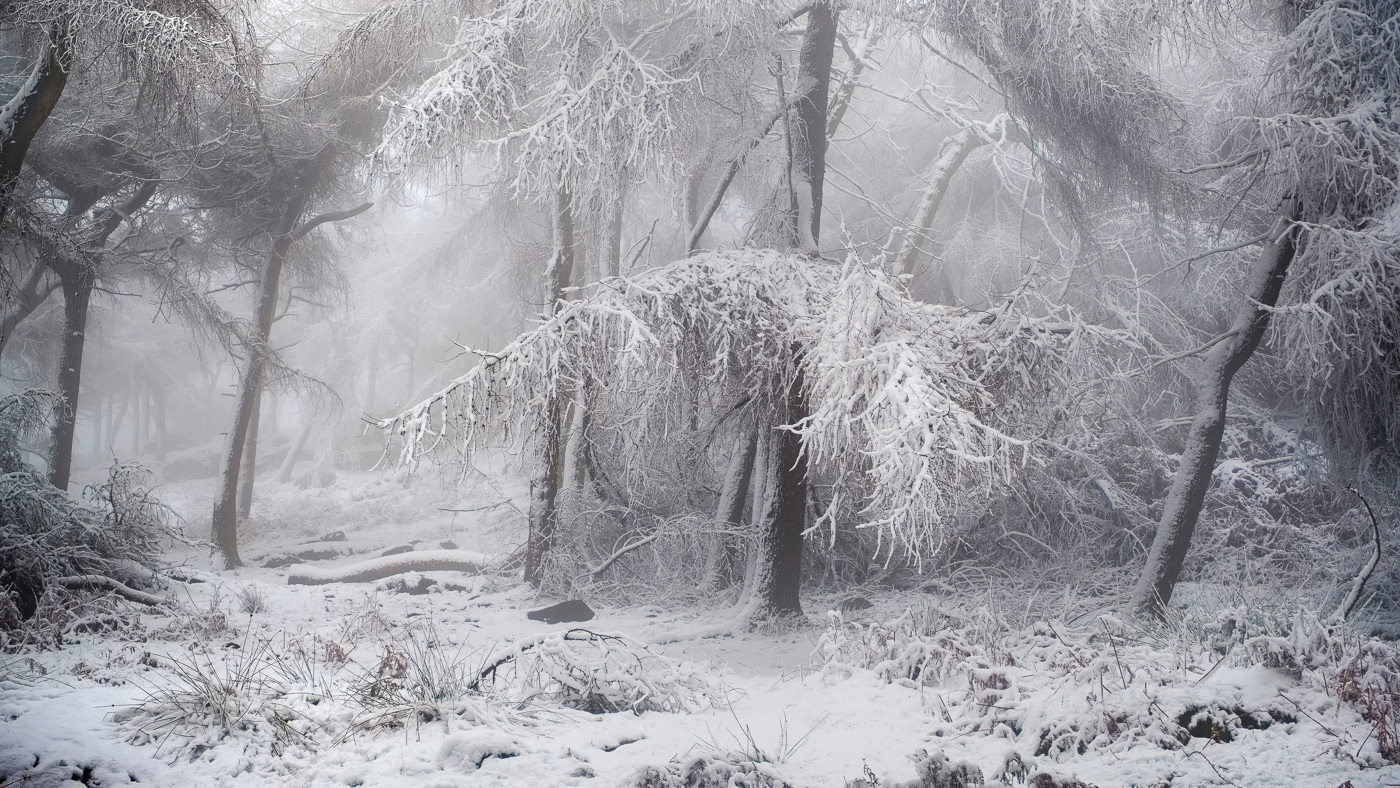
column 465, row 752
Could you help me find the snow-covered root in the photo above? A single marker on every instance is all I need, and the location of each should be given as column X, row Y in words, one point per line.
column 388, row 566
column 103, row 583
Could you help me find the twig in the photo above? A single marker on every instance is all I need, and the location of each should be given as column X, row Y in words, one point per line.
column 1357, row 585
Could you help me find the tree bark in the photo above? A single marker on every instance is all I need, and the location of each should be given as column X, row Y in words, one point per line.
column 1187, row 495
column 289, row 463
column 813, row 92
column 77, row 279
column 780, row 534
column 730, row 511
column 547, row 466
column 955, row 151
column 249, row 472
column 225, row 517
column 25, row 114
column 77, row 294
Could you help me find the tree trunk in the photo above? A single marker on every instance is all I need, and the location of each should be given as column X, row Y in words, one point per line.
column 813, row 92
column 225, row 517
column 780, row 532
column 1188, row 492
column 77, row 293
column 729, row 512
column 612, row 251
column 158, row 401
column 860, row 58
column 32, row 293
column 249, row 472
column 547, row 470
column 955, row 151
column 23, row 115
column 289, row 463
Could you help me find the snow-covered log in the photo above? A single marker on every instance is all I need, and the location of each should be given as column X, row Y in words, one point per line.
column 388, row 566
column 103, row 583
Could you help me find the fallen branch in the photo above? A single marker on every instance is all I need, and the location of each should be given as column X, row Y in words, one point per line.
column 1344, row 609
column 103, row 583
column 598, row 570
column 388, row 566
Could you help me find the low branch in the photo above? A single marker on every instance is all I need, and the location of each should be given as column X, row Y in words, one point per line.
column 334, row 216
column 103, row 583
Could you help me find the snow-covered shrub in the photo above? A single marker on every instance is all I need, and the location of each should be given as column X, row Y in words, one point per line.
column 710, row 770
column 918, row 647
column 206, row 696
column 420, row 677
column 596, row 672
column 46, row 533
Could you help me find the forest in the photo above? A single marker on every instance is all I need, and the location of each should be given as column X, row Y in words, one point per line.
column 700, row 393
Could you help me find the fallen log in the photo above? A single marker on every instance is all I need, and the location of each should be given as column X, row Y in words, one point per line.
column 388, row 566
column 103, row 583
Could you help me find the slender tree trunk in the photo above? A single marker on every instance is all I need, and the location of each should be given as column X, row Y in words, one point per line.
column 249, row 472
column 158, row 395
column 812, row 93
column 1188, row 492
column 289, row 463
column 612, row 251
column 547, row 470
column 225, row 518
column 955, row 151
column 860, row 58
column 729, row 512
column 77, row 293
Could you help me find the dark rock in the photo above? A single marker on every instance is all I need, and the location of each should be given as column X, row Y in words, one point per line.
column 564, row 612
column 280, row 560
column 397, row 550
column 333, row 536
column 316, row 554
column 853, row 603
column 415, row 585
column 447, row 544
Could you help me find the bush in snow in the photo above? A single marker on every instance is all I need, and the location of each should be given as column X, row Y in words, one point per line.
column 46, row 534
column 711, row 770
column 595, row 672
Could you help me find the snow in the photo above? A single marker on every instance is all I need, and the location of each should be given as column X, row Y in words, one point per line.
column 819, row 704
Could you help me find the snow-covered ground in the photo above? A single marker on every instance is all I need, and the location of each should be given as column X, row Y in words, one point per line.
column 315, row 676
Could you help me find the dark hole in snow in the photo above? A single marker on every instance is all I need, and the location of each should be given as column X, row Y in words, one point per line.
column 317, row 554
column 447, row 544
column 397, row 550
column 333, row 536
column 572, row 610
column 1219, row 724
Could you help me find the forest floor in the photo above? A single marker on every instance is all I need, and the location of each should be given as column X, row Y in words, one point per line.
column 247, row 680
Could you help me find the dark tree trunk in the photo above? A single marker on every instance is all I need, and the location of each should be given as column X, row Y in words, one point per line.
column 1188, row 492
column 813, row 91
column 249, row 472
column 225, row 518
column 780, row 534
column 37, row 98
column 77, row 293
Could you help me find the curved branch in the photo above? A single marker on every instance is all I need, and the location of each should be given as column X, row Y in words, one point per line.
column 334, row 216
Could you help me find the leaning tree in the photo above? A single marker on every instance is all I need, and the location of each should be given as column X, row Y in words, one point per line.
column 912, row 408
